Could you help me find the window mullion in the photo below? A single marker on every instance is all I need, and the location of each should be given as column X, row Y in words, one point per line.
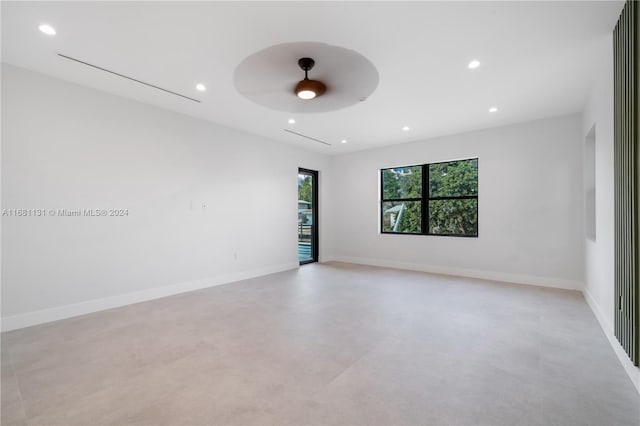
column 401, row 199
column 425, row 199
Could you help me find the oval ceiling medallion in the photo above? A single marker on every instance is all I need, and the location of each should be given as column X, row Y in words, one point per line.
column 269, row 77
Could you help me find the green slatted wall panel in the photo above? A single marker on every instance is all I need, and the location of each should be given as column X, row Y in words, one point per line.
column 627, row 181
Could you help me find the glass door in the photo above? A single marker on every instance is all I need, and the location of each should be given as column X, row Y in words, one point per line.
column 307, row 216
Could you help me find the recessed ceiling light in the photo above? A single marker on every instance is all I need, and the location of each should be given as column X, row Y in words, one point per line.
column 493, row 109
column 474, row 64
column 47, row 29
column 406, row 128
column 343, row 141
column 201, row 87
column 292, row 121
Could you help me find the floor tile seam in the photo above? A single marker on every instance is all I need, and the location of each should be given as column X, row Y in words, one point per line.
column 314, row 394
column 139, row 372
column 94, row 337
column 80, row 401
column 72, row 365
column 21, row 398
column 539, row 378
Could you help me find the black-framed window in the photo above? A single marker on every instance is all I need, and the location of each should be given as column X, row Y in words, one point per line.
column 430, row 199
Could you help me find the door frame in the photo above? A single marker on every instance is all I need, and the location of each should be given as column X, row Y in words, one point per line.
column 315, row 236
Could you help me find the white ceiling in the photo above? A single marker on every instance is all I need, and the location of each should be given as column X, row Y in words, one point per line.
column 538, row 59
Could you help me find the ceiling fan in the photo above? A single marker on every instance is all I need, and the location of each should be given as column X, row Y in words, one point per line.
column 334, row 77
column 308, row 89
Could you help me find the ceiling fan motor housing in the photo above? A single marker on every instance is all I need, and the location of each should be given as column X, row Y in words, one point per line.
column 306, row 64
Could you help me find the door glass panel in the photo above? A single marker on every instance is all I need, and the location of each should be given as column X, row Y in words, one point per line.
column 307, row 226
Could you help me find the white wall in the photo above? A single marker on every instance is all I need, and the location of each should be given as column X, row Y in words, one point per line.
column 599, row 254
column 70, row 147
column 530, row 206
column 599, row 272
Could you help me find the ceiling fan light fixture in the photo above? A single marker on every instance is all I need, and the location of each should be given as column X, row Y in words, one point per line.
column 306, row 94
column 308, row 89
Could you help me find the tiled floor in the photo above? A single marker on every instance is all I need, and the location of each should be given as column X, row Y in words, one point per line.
column 327, row 344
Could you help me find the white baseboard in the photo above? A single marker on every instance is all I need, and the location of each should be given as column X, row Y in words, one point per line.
column 607, row 328
column 61, row 312
column 469, row 273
